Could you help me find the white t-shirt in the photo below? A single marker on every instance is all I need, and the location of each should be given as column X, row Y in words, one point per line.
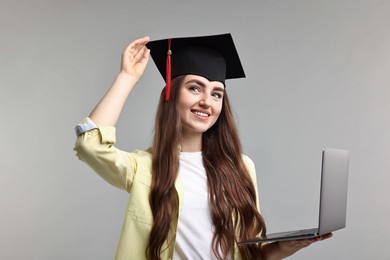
column 195, row 228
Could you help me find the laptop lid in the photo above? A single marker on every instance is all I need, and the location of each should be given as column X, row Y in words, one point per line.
column 334, row 187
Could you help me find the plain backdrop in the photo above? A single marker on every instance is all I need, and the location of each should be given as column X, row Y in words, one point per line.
column 317, row 76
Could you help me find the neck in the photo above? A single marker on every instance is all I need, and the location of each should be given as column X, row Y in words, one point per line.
column 191, row 143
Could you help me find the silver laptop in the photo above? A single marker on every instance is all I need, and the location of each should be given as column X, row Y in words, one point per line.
column 333, row 200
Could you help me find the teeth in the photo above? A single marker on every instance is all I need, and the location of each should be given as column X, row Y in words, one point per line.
column 200, row 114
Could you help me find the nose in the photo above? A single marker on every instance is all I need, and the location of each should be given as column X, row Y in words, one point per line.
column 205, row 100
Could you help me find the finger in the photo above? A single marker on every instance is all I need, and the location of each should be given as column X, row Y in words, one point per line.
column 323, row 237
column 146, row 54
column 135, row 49
column 142, row 40
column 320, row 238
column 143, row 60
column 140, row 54
column 136, row 56
column 136, row 44
column 306, row 242
column 297, row 244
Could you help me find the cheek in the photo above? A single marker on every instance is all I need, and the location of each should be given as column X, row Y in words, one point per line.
column 184, row 101
column 218, row 110
column 217, row 113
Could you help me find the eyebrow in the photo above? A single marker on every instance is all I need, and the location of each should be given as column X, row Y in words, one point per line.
column 204, row 85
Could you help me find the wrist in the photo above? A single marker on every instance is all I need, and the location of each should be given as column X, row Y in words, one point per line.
column 282, row 251
column 122, row 75
column 273, row 251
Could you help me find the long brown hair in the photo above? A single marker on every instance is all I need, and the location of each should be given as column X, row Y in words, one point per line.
column 232, row 194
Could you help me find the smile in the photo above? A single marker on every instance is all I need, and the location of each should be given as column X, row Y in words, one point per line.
column 202, row 114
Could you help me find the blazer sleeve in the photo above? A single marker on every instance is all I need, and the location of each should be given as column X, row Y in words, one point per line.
column 96, row 148
column 252, row 172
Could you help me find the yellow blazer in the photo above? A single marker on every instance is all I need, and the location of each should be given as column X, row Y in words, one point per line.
column 131, row 171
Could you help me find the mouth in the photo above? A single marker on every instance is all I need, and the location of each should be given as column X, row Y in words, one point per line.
column 200, row 113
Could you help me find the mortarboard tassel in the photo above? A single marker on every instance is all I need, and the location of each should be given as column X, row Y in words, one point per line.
column 168, row 71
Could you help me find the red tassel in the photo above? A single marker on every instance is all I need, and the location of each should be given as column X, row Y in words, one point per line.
column 168, row 72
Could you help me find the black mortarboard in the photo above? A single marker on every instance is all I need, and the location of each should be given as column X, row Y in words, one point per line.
column 214, row 57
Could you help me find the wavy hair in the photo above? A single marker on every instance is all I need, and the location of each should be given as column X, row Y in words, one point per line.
column 232, row 195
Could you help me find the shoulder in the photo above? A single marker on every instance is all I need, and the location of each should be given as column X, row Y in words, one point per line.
column 250, row 166
column 142, row 153
column 140, row 156
column 248, row 162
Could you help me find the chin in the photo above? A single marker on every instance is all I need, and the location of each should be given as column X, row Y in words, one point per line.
column 196, row 130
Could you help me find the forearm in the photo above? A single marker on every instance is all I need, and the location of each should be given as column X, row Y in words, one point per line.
column 107, row 111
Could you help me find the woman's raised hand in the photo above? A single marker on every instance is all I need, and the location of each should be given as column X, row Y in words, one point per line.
column 135, row 58
column 134, row 61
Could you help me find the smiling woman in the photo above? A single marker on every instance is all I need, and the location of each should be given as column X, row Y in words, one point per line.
column 193, row 194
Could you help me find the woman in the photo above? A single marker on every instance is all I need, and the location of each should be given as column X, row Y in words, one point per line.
column 193, row 194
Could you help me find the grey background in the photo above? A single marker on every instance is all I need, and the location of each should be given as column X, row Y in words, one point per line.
column 317, row 76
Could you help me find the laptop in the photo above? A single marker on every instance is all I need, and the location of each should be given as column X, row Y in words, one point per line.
column 333, row 200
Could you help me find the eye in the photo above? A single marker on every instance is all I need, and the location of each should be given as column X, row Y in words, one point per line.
column 194, row 88
column 217, row 95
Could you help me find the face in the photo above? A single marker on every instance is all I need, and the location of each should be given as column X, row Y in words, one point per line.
column 200, row 104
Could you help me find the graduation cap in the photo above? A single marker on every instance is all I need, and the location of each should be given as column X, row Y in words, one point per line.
column 214, row 57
